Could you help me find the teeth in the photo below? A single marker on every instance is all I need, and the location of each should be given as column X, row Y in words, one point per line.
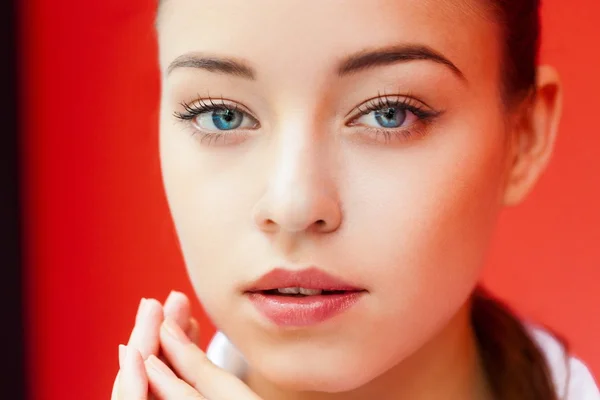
column 289, row 290
column 310, row 292
column 298, row 290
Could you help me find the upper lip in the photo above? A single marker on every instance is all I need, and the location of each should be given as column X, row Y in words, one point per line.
column 309, row 278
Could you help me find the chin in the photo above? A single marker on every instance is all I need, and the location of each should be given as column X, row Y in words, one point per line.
column 313, row 375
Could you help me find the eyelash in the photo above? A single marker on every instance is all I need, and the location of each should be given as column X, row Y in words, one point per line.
column 404, row 103
column 192, row 110
column 206, row 105
column 424, row 116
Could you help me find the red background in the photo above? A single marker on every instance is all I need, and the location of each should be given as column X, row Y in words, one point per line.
column 98, row 233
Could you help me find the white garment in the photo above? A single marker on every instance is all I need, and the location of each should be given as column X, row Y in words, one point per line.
column 574, row 382
column 572, row 379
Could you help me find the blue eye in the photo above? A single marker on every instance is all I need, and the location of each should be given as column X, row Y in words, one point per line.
column 392, row 113
column 226, row 120
column 387, row 117
column 392, row 117
column 219, row 121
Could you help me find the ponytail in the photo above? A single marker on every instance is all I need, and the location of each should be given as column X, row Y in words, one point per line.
column 515, row 365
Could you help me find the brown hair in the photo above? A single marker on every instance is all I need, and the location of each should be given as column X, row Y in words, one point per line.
column 520, row 27
column 515, row 366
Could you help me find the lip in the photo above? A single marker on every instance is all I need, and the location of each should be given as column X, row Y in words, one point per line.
column 303, row 311
column 310, row 278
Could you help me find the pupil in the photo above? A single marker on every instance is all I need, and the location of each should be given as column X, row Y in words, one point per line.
column 390, row 117
column 227, row 119
column 228, row 116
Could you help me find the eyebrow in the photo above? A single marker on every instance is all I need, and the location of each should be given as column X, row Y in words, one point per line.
column 355, row 63
column 227, row 66
column 392, row 55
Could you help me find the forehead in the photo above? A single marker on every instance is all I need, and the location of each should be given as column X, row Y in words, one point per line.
column 305, row 36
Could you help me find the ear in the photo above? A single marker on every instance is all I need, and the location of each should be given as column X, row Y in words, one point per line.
column 533, row 136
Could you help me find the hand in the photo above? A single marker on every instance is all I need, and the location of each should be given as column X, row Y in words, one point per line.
column 145, row 335
column 193, row 377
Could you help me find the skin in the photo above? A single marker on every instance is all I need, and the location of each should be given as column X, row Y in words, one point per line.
column 307, row 181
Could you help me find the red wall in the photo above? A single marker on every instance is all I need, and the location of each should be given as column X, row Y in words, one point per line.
column 99, row 237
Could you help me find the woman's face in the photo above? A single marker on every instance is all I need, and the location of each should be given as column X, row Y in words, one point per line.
column 364, row 137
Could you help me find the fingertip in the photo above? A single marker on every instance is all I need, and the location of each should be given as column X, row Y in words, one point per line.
column 176, row 300
column 175, row 296
column 141, row 309
column 122, row 354
column 177, row 307
column 148, row 310
column 144, row 336
column 153, row 312
column 153, row 304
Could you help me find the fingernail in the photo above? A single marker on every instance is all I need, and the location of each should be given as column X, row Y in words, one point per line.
column 122, row 355
column 130, row 358
column 173, row 294
column 175, row 331
column 154, row 363
column 141, row 309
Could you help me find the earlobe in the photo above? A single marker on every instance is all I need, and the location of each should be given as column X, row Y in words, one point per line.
column 533, row 138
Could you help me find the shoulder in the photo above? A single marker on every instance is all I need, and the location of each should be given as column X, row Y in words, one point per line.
column 572, row 379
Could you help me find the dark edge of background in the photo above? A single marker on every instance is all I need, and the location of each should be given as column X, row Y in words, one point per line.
column 11, row 281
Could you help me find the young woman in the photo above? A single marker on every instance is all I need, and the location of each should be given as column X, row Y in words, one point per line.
column 335, row 170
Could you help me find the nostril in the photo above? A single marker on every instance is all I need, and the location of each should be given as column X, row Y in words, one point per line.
column 319, row 226
column 268, row 225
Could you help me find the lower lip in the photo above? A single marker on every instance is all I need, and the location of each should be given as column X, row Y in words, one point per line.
column 303, row 311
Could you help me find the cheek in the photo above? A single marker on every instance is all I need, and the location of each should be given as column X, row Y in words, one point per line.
column 430, row 221
column 429, row 218
column 210, row 217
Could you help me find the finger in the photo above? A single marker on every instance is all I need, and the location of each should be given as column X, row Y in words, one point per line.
column 193, row 331
column 122, row 353
column 133, row 381
column 192, row 365
column 145, row 335
column 166, row 385
column 177, row 307
column 115, row 390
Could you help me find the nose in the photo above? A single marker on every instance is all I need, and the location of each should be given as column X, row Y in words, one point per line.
column 301, row 194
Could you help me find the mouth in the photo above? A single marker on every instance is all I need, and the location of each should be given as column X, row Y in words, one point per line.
column 307, row 282
column 303, row 292
column 302, row 298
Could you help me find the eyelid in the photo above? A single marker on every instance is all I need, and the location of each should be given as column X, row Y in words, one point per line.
column 407, row 102
column 369, row 102
column 208, row 102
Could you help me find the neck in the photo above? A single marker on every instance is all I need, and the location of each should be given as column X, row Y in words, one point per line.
column 447, row 367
